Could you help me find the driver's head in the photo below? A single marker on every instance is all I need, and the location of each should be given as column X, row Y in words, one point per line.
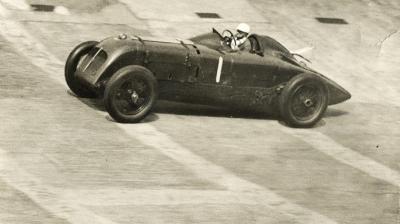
column 243, row 30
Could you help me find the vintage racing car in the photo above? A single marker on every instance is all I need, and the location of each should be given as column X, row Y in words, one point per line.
column 132, row 72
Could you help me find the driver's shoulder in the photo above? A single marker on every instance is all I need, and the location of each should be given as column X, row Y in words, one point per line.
column 254, row 35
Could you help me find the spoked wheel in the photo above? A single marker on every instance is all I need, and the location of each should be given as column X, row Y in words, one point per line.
column 303, row 101
column 130, row 94
column 70, row 68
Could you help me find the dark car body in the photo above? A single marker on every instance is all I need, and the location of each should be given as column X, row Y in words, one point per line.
column 202, row 71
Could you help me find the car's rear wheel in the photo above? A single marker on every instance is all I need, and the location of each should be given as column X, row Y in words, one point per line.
column 130, row 94
column 70, row 68
column 303, row 101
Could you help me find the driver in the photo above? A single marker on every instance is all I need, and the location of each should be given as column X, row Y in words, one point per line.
column 243, row 31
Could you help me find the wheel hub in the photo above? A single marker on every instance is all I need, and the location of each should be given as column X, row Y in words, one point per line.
column 134, row 96
column 308, row 102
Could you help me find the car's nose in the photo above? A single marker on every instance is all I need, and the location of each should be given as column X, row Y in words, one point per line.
column 337, row 94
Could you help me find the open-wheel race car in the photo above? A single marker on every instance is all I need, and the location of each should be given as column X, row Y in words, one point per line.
column 132, row 72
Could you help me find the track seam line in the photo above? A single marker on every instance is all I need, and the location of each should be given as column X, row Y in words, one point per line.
column 346, row 155
column 45, row 196
column 18, row 178
column 150, row 136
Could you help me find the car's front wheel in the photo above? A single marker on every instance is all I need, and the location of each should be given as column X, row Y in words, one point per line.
column 130, row 94
column 303, row 101
column 70, row 68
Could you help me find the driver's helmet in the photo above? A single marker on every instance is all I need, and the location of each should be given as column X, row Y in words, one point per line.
column 243, row 28
column 243, row 31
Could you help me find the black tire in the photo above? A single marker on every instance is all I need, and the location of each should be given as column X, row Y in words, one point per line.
column 303, row 101
column 70, row 68
column 130, row 94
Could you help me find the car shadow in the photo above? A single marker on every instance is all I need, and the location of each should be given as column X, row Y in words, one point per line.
column 168, row 107
column 320, row 123
column 330, row 112
column 149, row 118
column 96, row 103
column 333, row 112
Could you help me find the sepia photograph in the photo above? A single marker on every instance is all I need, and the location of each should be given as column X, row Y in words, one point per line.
column 199, row 112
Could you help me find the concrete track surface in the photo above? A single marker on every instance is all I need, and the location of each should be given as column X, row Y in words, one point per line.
column 62, row 160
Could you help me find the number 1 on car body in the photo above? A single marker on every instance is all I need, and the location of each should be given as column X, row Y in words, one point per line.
column 219, row 69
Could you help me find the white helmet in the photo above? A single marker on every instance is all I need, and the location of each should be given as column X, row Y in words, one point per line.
column 243, row 27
